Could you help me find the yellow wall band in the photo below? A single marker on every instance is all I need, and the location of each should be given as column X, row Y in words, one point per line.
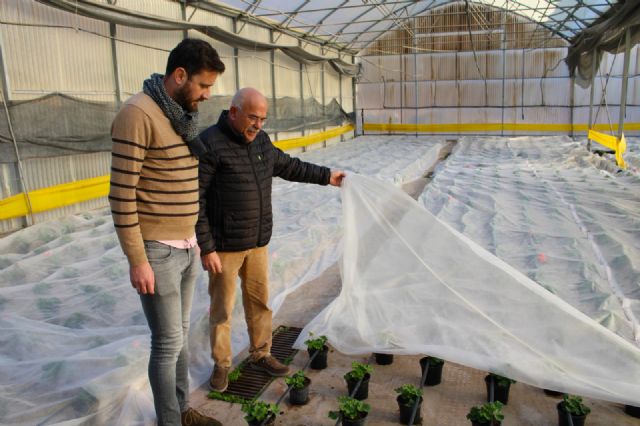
column 54, row 197
column 311, row 139
column 57, row 196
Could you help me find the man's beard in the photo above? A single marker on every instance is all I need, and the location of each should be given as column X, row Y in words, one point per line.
column 182, row 99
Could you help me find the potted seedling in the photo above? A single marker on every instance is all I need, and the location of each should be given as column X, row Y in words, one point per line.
column 408, row 397
column 383, row 359
column 572, row 405
column 317, row 346
column 501, row 387
column 360, row 373
column 434, row 373
column 259, row 412
column 299, row 393
column 487, row 414
column 352, row 411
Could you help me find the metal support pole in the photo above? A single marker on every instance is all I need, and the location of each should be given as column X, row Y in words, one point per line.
column 322, row 97
column 625, row 81
column 28, row 220
column 354, row 103
column 572, row 94
column 274, row 104
column 402, row 69
column 302, row 115
column 503, row 19
column 235, row 57
column 340, row 94
column 183, row 9
column 415, row 70
column 591, row 93
column 114, row 63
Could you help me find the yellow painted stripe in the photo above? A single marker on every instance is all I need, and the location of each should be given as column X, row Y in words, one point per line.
column 492, row 127
column 286, row 144
column 54, row 197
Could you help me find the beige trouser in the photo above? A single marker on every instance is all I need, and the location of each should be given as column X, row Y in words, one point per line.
column 252, row 268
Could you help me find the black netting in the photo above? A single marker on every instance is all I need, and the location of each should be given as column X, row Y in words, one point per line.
column 57, row 124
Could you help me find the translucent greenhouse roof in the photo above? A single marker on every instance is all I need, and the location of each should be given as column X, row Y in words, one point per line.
column 354, row 24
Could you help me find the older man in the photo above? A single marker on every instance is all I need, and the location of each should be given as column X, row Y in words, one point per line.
column 235, row 222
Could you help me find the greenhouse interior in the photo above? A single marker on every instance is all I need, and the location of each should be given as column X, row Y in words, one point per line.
column 488, row 221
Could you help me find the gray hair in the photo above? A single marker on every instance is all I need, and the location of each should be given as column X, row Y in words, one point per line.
column 242, row 95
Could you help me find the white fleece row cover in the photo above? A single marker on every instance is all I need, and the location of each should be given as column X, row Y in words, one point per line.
column 411, row 284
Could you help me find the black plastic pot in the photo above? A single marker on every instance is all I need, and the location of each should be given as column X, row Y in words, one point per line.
column 300, row 396
column 384, row 359
column 320, row 361
column 564, row 421
column 406, row 410
column 500, row 393
column 434, row 375
column 271, row 420
column 486, row 424
column 632, row 410
column 355, row 422
column 363, row 390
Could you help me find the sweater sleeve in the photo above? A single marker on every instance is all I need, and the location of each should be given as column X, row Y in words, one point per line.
column 130, row 134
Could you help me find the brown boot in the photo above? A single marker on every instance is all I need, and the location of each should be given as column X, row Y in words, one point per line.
column 192, row 418
column 270, row 365
column 219, row 380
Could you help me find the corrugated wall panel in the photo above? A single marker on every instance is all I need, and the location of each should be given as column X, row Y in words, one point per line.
column 164, row 8
column 470, row 67
column 392, row 96
column 287, row 76
column 255, row 71
column 253, row 32
column 205, row 17
column 44, row 60
column 145, row 53
column 312, row 82
column 493, row 60
column 371, row 95
column 347, row 91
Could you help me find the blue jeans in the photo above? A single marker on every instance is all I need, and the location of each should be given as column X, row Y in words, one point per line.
column 167, row 312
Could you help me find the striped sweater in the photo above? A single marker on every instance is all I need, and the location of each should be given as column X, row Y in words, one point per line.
column 154, row 179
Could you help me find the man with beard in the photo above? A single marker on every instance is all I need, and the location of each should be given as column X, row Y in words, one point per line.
column 235, row 224
column 154, row 204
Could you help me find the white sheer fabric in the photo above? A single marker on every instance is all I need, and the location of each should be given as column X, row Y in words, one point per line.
column 412, row 284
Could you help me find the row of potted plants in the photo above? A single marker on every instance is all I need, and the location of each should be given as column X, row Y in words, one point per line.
column 353, row 411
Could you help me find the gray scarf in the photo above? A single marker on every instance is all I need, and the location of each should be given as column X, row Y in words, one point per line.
column 184, row 123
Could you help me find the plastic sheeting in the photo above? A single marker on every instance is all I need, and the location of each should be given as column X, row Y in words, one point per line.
column 412, row 284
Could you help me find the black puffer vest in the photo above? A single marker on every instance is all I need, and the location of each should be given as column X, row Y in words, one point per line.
column 235, row 187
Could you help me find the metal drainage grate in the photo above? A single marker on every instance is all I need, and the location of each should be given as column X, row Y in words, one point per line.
column 252, row 382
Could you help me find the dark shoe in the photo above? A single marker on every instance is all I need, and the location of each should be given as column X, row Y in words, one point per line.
column 219, row 380
column 192, row 418
column 270, row 365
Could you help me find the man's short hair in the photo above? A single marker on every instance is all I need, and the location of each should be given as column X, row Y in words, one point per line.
column 194, row 56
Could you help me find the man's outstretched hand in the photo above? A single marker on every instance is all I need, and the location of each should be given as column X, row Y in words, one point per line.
column 336, row 177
